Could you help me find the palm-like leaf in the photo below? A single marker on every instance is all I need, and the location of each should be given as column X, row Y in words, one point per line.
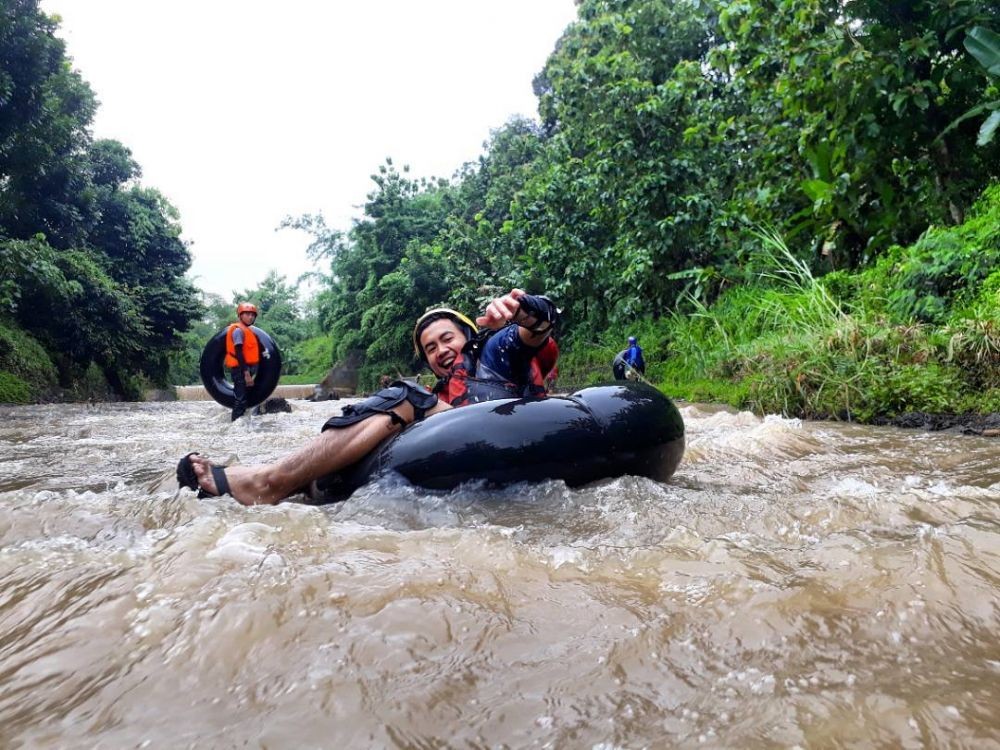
column 984, row 45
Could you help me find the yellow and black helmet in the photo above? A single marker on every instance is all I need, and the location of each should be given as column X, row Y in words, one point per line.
column 438, row 313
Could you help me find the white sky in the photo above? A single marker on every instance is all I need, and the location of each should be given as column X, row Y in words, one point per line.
column 242, row 113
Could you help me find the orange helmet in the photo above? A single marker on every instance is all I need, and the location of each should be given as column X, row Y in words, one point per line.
column 246, row 307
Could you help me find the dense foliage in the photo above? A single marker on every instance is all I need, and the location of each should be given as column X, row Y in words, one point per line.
column 778, row 196
column 91, row 262
column 917, row 331
column 670, row 131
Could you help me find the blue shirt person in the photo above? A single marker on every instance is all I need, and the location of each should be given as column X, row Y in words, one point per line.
column 633, row 356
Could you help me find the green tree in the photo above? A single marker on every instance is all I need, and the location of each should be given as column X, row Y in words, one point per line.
column 676, row 126
column 280, row 314
column 619, row 203
column 46, row 110
column 107, row 285
column 984, row 45
column 478, row 249
column 136, row 239
column 372, row 299
column 852, row 97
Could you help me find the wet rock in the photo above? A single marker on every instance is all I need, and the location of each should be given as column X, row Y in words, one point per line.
column 320, row 393
column 274, row 406
column 342, row 378
column 987, row 425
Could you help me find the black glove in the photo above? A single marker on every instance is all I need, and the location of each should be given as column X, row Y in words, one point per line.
column 542, row 309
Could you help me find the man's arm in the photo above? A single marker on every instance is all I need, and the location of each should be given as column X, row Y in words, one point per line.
column 509, row 353
column 534, row 314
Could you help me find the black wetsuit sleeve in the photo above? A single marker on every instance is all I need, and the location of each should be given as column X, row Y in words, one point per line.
column 505, row 357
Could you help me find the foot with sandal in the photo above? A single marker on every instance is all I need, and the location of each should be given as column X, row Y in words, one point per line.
column 345, row 440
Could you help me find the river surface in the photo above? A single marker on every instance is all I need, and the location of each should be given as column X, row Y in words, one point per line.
column 795, row 585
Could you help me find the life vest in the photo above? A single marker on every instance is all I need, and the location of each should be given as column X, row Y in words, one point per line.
column 251, row 350
column 461, row 387
column 545, row 359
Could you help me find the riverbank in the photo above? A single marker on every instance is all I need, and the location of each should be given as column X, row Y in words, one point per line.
column 912, row 340
column 586, row 368
column 984, row 425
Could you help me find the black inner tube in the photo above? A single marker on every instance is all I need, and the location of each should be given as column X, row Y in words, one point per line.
column 618, row 365
column 213, row 370
column 596, row 433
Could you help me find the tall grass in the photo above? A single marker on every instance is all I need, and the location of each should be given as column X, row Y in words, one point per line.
column 788, row 345
column 835, row 346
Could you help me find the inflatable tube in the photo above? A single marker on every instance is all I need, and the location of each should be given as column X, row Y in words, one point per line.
column 596, row 433
column 618, row 365
column 213, row 369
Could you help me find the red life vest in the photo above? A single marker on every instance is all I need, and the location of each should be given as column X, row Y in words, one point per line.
column 545, row 360
column 460, row 386
column 251, row 350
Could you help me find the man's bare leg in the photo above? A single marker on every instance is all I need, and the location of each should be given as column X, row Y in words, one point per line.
column 329, row 451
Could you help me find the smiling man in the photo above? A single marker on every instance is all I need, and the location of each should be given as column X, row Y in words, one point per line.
column 510, row 359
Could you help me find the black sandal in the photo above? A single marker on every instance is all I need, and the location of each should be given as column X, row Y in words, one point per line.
column 187, row 478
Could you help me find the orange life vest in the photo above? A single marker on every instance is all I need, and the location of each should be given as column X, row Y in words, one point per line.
column 251, row 350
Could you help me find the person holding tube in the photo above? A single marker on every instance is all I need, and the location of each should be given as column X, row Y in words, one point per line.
column 242, row 356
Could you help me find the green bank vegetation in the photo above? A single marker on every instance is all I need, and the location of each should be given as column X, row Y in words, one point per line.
column 92, row 287
column 791, row 202
column 917, row 331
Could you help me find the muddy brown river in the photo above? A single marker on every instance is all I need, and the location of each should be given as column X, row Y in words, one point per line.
column 795, row 585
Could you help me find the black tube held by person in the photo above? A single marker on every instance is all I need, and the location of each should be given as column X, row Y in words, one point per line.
column 213, row 370
column 595, row 433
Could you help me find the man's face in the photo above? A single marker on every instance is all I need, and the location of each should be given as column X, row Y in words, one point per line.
column 247, row 318
column 442, row 342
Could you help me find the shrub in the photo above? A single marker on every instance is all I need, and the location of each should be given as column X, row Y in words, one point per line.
column 25, row 360
column 943, row 269
column 932, row 388
column 13, row 390
column 314, row 358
